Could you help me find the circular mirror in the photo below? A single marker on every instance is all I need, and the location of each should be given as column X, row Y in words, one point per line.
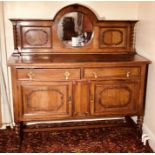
column 75, row 29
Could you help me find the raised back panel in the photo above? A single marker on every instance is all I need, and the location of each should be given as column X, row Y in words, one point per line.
column 32, row 36
column 41, row 36
column 116, row 36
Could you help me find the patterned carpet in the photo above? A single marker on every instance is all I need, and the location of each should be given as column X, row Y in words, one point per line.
column 109, row 139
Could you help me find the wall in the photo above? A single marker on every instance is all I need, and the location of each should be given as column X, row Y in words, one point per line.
column 146, row 46
column 4, row 84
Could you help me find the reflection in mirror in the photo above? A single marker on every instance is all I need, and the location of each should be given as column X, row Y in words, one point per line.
column 75, row 29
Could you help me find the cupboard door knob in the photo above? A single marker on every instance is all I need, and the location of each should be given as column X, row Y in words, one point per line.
column 92, row 98
column 30, row 74
column 70, row 99
column 66, row 74
column 95, row 75
column 128, row 74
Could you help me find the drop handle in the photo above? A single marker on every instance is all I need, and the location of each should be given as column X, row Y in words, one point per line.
column 128, row 74
column 66, row 74
column 95, row 75
column 30, row 75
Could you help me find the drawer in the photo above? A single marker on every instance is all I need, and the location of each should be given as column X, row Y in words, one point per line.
column 48, row 74
column 120, row 72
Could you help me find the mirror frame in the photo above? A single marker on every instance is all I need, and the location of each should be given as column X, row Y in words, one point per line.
column 75, row 8
column 69, row 9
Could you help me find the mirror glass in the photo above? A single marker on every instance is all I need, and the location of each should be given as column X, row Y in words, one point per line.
column 75, row 29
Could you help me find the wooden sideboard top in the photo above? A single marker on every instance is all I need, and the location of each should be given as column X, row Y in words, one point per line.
column 73, row 59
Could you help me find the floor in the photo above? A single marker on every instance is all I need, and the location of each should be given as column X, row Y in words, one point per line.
column 119, row 139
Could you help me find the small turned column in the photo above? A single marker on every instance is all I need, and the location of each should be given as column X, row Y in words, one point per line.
column 18, row 133
column 140, row 124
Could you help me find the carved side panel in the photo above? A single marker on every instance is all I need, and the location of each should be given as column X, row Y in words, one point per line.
column 114, row 97
column 36, row 37
column 41, row 36
column 113, row 38
column 40, row 101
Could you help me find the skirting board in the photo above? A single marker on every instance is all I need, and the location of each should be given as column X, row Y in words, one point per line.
column 5, row 125
column 150, row 135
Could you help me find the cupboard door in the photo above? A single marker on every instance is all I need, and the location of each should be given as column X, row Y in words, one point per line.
column 114, row 97
column 45, row 100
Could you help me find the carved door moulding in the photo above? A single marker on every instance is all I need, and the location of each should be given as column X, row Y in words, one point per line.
column 112, row 96
column 45, row 93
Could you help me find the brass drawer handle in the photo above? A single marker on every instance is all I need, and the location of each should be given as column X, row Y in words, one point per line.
column 128, row 74
column 95, row 75
column 66, row 74
column 30, row 74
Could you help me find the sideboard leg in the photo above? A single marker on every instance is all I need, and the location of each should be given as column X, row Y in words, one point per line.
column 140, row 124
column 18, row 133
